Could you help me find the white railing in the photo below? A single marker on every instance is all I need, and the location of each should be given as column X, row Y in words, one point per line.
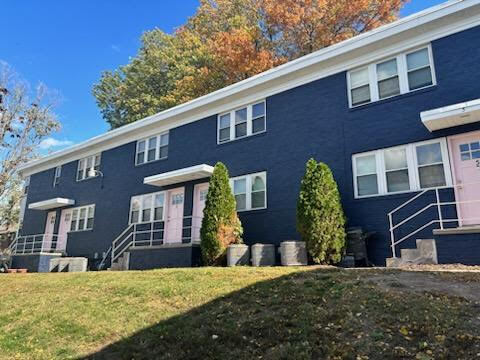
column 148, row 235
column 441, row 221
column 35, row 244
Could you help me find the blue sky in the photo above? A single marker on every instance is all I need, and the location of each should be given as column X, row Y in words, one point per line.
column 68, row 46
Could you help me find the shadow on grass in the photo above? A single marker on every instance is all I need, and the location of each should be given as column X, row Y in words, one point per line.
column 315, row 314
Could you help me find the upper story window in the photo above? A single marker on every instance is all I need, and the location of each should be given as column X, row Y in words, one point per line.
column 87, row 164
column 250, row 191
column 147, row 208
column 398, row 75
column 152, row 148
column 239, row 123
column 82, row 218
column 404, row 168
column 57, row 175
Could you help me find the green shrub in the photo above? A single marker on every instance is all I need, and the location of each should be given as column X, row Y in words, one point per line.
column 320, row 217
column 220, row 225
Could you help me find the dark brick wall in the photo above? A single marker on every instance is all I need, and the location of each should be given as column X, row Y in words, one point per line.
column 313, row 120
column 186, row 256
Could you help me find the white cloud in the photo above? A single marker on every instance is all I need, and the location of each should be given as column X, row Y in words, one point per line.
column 50, row 142
column 115, row 48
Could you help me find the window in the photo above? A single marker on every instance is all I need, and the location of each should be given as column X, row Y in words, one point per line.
column 242, row 122
column 147, row 208
column 470, row 151
column 419, row 69
column 404, row 73
column 86, row 164
column 152, row 149
column 56, row 177
column 82, row 218
column 250, row 191
column 388, row 80
column 411, row 167
column 360, row 87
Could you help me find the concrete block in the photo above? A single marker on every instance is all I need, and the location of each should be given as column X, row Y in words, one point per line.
column 293, row 253
column 68, row 264
column 428, row 249
column 263, row 255
column 238, row 254
column 410, row 255
column 394, row 262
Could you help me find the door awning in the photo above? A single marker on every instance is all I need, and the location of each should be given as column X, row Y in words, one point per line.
column 181, row 175
column 452, row 115
column 51, row 204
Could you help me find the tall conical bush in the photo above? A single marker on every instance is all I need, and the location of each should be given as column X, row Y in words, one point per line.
column 220, row 225
column 320, row 217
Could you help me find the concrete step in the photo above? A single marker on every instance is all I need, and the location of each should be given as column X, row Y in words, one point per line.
column 424, row 254
column 428, row 249
column 409, row 255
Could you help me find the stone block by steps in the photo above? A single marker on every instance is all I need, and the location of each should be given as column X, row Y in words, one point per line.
column 410, row 255
column 428, row 249
column 394, row 262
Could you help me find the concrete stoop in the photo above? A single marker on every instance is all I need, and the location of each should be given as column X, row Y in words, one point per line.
column 122, row 263
column 424, row 254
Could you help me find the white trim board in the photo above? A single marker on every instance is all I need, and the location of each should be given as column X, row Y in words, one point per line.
column 453, row 115
column 178, row 176
column 51, row 204
column 401, row 35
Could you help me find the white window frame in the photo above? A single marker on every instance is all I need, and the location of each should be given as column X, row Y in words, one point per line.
column 79, row 210
column 85, row 169
column 152, row 207
column 249, row 122
column 157, row 148
column 248, row 184
column 56, row 176
column 402, row 75
column 413, row 168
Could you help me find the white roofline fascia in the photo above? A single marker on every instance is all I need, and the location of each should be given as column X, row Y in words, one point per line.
column 451, row 110
column 58, row 202
column 204, row 168
column 370, row 37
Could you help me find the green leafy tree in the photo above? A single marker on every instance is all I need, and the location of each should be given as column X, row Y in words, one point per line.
column 227, row 41
column 220, row 225
column 320, row 217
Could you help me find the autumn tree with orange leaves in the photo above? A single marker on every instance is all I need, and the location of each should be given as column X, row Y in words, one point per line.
column 227, row 41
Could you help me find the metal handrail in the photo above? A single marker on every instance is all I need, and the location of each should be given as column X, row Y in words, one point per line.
column 437, row 204
column 122, row 243
column 29, row 244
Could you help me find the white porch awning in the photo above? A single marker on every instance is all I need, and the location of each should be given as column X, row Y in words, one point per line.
column 453, row 115
column 51, row 204
column 181, row 175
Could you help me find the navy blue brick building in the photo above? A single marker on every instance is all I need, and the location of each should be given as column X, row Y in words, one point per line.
column 394, row 112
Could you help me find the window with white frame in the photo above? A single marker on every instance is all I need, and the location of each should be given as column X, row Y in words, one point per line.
column 411, row 167
column 82, row 218
column 239, row 123
column 250, row 191
column 86, row 164
column 152, row 149
column 57, row 175
column 401, row 74
column 147, row 208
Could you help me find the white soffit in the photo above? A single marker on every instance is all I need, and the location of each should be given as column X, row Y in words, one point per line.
column 452, row 115
column 178, row 176
column 406, row 33
column 51, row 204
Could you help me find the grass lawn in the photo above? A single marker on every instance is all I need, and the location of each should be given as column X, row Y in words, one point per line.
column 240, row 313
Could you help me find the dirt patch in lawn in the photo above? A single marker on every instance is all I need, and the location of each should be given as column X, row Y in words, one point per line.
column 421, row 282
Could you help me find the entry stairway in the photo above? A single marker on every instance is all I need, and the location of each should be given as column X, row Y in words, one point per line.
column 425, row 253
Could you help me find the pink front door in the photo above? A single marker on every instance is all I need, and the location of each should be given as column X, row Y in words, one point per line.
column 174, row 219
column 199, row 197
column 63, row 229
column 49, row 229
column 465, row 151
